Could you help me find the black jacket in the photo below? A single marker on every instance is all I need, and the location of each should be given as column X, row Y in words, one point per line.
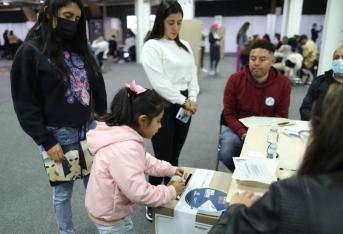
column 303, row 204
column 38, row 94
column 316, row 91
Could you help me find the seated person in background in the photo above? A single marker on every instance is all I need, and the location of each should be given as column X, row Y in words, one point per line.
column 257, row 90
column 291, row 59
column 100, row 47
column 320, row 84
column 310, row 202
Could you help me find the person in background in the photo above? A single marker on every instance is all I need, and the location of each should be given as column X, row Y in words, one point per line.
column 320, row 84
column 291, row 59
column 241, row 38
column 112, row 46
column 315, row 32
column 57, row 88
column 256, row 90
column 214, row 39
column 101, row 49
column 170, row 67
column 309, row 52
column 13, row 42
column 266, row 38
column 277, row 40
column 245, row 50
column 292, row 205
column 6, row 44
column 117, row 180
column 202, row 51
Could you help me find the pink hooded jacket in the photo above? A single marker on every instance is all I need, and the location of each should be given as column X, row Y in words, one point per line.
column 117, row 179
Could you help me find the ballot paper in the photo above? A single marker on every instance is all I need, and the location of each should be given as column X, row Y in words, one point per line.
column 255, row 168
column 264, row 121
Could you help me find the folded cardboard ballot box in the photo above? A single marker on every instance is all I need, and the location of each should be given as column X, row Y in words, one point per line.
column 199, row 206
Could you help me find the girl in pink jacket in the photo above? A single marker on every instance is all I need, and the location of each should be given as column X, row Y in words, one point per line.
column 117, row 179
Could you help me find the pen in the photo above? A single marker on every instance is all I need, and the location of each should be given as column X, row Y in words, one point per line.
column 286, row 169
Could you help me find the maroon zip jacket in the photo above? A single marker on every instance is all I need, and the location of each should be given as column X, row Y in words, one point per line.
column 244, row 97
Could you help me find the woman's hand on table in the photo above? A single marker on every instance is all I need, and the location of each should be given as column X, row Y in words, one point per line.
column 246, row 198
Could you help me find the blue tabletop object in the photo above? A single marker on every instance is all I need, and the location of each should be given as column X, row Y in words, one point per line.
column 196, row 198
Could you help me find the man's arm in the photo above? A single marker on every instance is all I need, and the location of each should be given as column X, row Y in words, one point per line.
column 230, row 107
column 310, row 97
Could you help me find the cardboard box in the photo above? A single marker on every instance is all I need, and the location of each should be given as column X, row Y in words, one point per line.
column 178, row 217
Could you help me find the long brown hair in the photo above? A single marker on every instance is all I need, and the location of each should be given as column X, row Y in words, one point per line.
column 243, row 30
column 324, row 153
column 166, row 8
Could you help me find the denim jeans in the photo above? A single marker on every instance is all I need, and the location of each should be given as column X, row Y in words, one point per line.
column 230, row 146
column 125, row 227
column 61, row 196
column 62, row 193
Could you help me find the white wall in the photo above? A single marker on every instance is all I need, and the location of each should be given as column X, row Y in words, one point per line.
column 19, row 29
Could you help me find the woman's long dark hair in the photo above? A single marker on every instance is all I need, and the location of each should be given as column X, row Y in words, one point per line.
column 52, row 46
column 243, row 30
column 166, row 8
column 324, row 153
column 127, row 106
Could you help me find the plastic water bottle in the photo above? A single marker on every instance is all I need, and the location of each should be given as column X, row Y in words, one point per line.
column 272, row 140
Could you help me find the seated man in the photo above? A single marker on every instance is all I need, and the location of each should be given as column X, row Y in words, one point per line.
column 257, row 90
column 320, row 84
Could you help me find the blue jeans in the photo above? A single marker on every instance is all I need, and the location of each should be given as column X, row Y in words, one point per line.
column 125, row 227
column 230, row 145
column 61, row 196
column 61, row 193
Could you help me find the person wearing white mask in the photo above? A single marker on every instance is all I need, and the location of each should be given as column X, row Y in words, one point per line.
column 320, row 84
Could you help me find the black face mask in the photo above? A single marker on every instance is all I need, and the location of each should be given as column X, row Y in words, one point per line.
column 66, row 29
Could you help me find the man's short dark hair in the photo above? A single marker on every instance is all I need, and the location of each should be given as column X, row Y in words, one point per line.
column 264, row 45
column 303, row 37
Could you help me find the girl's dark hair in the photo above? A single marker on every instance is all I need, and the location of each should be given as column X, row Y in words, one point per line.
column 52, row 46
column 324, row 153
column 127, row 106
column 166, row 8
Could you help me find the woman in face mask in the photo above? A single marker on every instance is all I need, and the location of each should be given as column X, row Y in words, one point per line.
column 320, row 84
column 56, row 88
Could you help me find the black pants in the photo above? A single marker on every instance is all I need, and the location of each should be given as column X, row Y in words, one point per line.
column 169, row 140
column 214, row 57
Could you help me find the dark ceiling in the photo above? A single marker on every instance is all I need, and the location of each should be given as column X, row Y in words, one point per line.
column 116, row 8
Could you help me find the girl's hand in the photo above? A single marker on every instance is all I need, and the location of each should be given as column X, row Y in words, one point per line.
column 179, row 186
column 179, row 171
column 56, row 153
column 246, row 198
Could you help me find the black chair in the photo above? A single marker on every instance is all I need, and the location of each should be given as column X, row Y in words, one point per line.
column 221, row 124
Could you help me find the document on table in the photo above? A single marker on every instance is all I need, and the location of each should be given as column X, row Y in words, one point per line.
column 264, row 121
column 297, row 131
column 255, row 168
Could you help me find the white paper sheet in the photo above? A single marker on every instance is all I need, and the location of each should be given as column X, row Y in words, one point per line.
column 255, row 168
column 263, row 121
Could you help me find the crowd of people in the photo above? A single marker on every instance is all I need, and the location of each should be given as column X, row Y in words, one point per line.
column 60, row 101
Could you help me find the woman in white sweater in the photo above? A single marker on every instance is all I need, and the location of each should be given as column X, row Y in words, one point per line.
column 170, row 67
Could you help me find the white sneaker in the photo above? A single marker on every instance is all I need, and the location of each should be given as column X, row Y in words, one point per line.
column 212, row 73
column 204, row 70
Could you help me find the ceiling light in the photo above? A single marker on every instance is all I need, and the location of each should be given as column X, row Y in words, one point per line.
column 5, row 3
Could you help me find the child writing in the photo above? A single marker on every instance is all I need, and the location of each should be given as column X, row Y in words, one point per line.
column 117, row 179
